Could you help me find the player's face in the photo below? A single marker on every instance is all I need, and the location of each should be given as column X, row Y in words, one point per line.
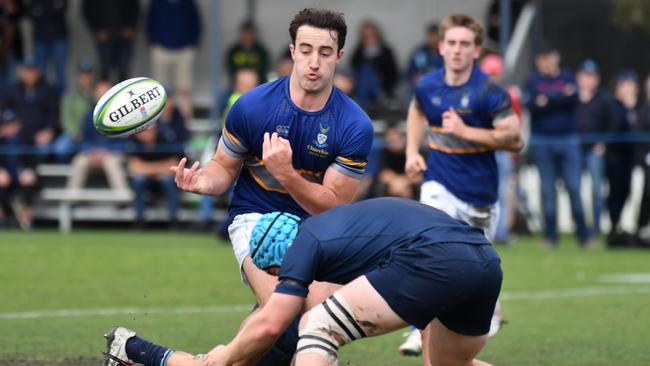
column 315, row 55
column 458, row 49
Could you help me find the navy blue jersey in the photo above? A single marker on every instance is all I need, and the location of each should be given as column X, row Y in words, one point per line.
column 337, row 136
column 466, row 169
column 345, row 242
column 557, row 116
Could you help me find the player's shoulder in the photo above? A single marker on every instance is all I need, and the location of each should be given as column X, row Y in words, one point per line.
column 349, row 111
column 431, row 79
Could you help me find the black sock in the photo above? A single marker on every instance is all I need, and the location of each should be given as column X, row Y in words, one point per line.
column 144, row 352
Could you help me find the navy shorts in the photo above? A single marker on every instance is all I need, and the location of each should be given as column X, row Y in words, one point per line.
column 457, row 283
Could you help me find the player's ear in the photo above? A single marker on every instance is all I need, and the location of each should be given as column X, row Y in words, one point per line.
column 339, row 55
column 292, row 50
column 477, row 52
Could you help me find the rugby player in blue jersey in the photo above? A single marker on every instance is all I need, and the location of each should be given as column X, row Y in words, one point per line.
column 297, row 144
column 401, row 262
column 467, row 117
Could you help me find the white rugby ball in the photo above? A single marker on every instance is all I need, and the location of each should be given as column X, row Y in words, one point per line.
column 129, row 107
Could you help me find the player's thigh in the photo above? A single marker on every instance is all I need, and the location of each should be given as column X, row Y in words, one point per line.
column 449, row 348
column 369, row 308
column 259, row 281
column 319, row 292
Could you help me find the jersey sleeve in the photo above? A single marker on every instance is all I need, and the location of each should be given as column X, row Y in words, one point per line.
column 235, row 137
column 499, row 103
column 355, row 147
column 299, row 265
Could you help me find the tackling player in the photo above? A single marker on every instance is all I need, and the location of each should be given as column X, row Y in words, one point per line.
column 467, row 117
column 372, row 247
column 297, row 144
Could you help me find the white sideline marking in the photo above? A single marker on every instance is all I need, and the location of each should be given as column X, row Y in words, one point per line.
column 626, row 278
column 125, row 311
column 508, row 296
column 574, row 292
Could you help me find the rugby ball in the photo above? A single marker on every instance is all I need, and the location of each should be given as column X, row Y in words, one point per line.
column 129, row 107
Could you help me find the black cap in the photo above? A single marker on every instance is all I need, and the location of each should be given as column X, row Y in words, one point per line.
column 589, row 66
column 627, row 75
column 546, row 48
column 85, row 65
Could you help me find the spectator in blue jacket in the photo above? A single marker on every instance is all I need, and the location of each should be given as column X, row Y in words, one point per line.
column 426, row 57
column 174, row 32
column 551, row 97
column 50, row 37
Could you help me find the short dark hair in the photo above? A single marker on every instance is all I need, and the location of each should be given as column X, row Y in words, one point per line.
column 320, row 18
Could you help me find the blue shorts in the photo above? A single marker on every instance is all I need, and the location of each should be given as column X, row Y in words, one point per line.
column 457, row 283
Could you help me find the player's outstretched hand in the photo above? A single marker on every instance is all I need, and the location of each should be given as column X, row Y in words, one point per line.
column 189, row 180
column 415, row 165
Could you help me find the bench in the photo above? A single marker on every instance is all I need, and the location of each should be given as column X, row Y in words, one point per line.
column 67, row 197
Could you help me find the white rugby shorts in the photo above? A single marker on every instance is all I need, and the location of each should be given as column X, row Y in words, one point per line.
column 436, row 195
column 240, row 233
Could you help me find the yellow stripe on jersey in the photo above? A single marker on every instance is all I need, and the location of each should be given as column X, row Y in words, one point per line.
column 459, row 151
column 357, row 164
column 232, row 137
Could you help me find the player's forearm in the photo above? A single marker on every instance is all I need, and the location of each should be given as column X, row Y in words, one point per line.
column 256, row 336
column 220, row 179
column 312, row 197
column 414, row 131
column 494, row 138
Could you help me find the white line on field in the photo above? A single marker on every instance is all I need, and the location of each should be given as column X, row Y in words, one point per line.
column 126, row 311
column 507, row 296
column 574, row 292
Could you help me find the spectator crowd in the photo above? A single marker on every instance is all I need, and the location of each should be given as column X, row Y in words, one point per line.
column 576, row 124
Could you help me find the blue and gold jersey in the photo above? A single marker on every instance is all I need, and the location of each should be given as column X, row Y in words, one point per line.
column 337, row 136
column 466, row 169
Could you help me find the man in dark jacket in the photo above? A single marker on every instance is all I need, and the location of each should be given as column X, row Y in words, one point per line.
column 594, row 115
column 113, row 26
column 36, row 105
column 551, row 97
column 50, row 37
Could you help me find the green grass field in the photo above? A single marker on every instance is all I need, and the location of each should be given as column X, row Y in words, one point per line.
column 60, row 293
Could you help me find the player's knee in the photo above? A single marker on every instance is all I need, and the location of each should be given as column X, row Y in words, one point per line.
column 327, row 327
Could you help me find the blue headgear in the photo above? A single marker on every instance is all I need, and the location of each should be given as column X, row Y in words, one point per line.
column 271, row 237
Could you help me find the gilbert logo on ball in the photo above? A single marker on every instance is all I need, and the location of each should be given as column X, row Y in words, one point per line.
column 129, row 107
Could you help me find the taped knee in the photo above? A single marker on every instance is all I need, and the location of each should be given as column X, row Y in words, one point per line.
column 329, row 326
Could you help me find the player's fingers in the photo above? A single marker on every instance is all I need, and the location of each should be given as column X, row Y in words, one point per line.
column 180, row 171
column 193, row 170
column 421, row 164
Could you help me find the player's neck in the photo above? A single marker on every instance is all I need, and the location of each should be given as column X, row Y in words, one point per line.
column 308, row 101
column 457, row 78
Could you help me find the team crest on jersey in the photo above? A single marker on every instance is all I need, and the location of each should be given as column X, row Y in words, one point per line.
column 464, row 101
column 436, row 101
column 321, row 138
